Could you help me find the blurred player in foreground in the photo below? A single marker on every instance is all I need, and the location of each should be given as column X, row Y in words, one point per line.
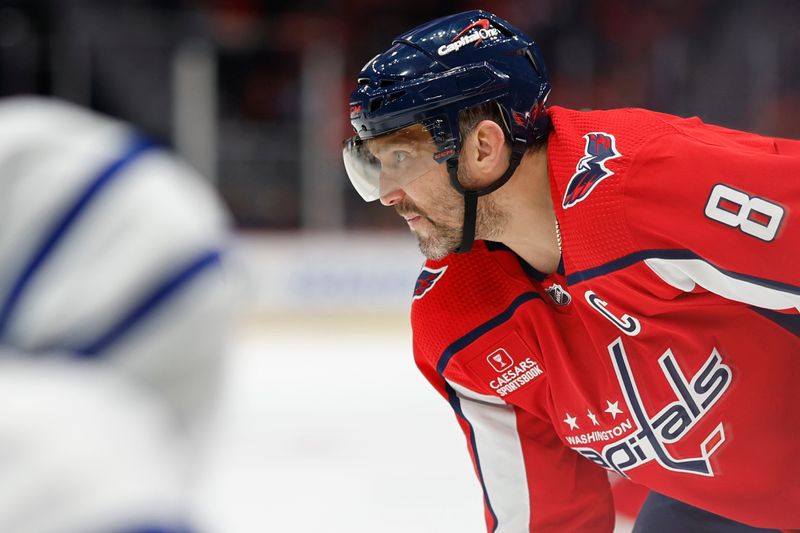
column 632, row 304
column 113, row 313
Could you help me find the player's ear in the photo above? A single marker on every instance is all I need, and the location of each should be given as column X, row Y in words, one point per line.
column 489, row 152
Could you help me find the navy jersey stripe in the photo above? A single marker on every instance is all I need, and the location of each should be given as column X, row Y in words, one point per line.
column 63, row 224
column 455, row 403
column 560, row 267
column 788, row 322
column 476, row 333
column 529, row 270
column 161, row 293
column 494, row 246
column 628, row 260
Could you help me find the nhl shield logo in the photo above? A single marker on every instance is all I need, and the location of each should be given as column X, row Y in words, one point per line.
column 558, row 294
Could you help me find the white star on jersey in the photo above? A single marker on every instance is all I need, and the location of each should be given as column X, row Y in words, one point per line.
column 613, row 409
column 571, row 420
column 593, row 418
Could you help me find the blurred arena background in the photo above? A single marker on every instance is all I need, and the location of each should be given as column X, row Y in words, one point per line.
column 325, row 424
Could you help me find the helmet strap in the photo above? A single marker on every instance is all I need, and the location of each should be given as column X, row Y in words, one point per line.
column 471, row 196
column 470, row 217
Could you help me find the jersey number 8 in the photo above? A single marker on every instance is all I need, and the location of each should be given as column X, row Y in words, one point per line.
column 752, row 215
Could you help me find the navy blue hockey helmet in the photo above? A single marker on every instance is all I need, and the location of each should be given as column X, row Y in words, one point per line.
column 433, row 72
column 412, row 95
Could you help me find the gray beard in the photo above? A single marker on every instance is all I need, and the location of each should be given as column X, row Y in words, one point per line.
column 444, row 240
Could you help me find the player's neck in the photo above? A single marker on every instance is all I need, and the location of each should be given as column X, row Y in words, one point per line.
column 531, row 227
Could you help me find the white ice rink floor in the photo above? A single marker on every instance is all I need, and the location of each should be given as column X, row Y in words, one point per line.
column 327, row 426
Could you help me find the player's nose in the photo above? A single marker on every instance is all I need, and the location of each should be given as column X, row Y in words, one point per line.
column 393, row 196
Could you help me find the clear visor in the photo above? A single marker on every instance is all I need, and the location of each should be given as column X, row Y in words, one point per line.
column 377, row 167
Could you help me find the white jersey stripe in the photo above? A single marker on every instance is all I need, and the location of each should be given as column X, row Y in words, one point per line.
column 464, row 392
column 498, row 447
column 683, row 274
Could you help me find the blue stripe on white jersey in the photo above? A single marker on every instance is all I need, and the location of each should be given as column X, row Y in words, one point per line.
column 63, row 224
column 159, row 529
column 160, row 294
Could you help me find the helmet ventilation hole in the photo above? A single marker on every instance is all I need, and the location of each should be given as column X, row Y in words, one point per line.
column 375, row 104
column 394, row 96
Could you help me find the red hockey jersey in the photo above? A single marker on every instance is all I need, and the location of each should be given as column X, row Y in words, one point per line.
column 666, row 347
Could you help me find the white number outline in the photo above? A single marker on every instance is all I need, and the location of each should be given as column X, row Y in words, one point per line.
column 747, row 204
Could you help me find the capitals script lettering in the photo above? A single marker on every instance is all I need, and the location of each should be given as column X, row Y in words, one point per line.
column 695, row 397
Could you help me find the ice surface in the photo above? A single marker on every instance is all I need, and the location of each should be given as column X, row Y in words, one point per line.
column 327, row 426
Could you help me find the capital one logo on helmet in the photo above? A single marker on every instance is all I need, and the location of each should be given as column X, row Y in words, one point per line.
column 482, row 30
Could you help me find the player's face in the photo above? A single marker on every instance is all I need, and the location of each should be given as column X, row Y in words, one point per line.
column 432, row 208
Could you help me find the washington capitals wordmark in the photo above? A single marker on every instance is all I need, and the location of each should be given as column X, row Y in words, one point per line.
column 696, row 396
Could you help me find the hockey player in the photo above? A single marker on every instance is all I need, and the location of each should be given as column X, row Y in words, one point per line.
column 114, row 306
column 631, row 304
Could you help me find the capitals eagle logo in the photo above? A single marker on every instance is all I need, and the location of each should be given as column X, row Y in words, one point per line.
column 426, row 280
column 591, row 169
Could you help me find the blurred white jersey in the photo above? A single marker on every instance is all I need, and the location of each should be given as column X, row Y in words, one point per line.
column 109, row 249
column 110, row 257
column 84, row 450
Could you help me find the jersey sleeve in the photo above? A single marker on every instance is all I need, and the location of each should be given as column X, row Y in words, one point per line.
column 717, row 210
column 531, row 481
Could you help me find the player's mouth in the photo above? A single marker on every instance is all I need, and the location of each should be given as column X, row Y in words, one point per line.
column 412, row 220
column 411, row 214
